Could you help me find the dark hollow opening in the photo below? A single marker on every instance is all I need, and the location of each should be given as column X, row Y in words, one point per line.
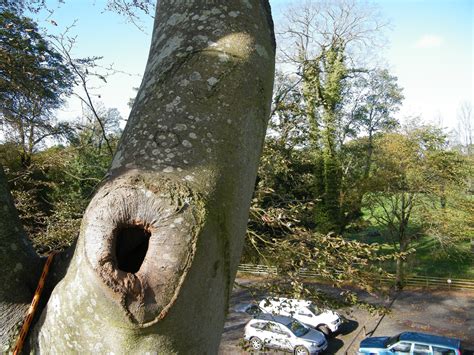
column 131, row 247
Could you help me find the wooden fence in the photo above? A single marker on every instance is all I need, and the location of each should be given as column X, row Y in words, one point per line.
column 414, row 281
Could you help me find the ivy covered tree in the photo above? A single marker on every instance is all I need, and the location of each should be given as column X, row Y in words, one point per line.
column 321, row 40
column 282, row 231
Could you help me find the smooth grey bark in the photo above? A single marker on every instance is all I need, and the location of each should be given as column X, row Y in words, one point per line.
column 161, row 239
column 21, row 267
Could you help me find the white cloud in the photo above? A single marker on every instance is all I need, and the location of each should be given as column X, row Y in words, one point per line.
column 429, row 41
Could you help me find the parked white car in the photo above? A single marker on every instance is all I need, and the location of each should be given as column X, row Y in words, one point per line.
column 306, row 312
column 272, row 331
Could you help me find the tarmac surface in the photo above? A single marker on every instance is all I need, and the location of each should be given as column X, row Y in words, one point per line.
column 443, row 312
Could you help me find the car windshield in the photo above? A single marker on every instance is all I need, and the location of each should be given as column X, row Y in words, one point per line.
column 392, row 340
column 253, row 310
column 297, row 328
column 314, row 309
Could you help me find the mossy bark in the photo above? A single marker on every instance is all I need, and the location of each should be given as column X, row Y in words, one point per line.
column 183, row 174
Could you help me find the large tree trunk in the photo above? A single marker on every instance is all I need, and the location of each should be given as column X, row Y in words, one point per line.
column 21, row 268
column 161, row 239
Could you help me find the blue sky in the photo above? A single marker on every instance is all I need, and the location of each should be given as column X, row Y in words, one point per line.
column 429, row 47
column 431, row 51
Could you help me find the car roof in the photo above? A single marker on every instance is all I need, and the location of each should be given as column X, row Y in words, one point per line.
column 242, row 307
column 430, row 339
column 275, row 318
column 277, row 301
column 284, row 299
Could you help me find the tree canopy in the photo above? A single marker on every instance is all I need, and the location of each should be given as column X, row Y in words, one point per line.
column 33, row 82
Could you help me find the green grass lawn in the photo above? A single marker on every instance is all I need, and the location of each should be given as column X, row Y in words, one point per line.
column 429, row 259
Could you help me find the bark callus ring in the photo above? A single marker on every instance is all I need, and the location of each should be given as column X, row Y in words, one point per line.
column 140, row 239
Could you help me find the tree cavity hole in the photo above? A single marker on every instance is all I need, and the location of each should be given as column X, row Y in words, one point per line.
column 131, row 247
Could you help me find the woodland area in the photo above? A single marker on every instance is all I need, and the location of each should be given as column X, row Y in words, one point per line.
column 335, row 159
column 342, row 188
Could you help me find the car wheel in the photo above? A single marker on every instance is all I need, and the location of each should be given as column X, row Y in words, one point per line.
column 301, row 350
column 256, row 343
column 325, row 330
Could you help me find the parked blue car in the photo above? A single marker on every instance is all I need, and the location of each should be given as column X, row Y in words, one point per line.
column 411, row 343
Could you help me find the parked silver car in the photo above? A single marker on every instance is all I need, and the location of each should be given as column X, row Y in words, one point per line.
column 280, row 332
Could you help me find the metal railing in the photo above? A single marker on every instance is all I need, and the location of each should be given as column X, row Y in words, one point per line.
column 415, row 281
column 257, row 269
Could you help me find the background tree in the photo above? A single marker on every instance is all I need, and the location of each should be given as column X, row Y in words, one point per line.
column 322, row 41
column 372, row 99
column 281, row 229
column 412, row 172
column 20, row 6
column 464, row 130
column 33, row 81
column 464, row 133
column 322, row 114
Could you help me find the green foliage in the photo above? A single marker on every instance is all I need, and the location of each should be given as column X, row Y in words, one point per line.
column 335, row 72
column 281, row 226
column 52, row 186
column 427, row 256
column 33, row 81
column 52, row 193
column 30, row 68
column 19, row 6
column 371, row 100
column 302, row 188
column 73, row 182
column 281, row 235
column 334, row 127
column 416, row 181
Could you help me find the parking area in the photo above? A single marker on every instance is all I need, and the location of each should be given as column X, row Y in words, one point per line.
column 449, row 313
